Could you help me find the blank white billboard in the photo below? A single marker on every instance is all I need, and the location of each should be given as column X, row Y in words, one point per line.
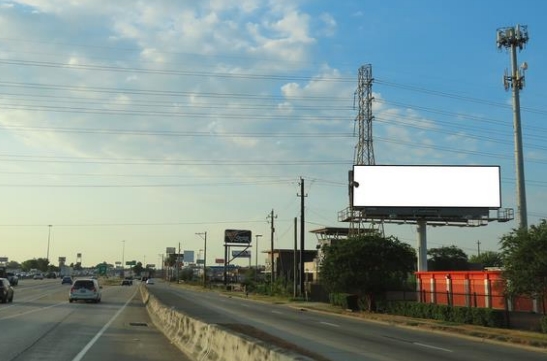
column 427, row 186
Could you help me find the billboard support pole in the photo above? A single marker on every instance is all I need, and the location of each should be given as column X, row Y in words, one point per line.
column 422, row 245
column 225, row 266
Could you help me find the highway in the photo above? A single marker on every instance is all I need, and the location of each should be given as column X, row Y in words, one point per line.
column 42, row 325
column 334, row 337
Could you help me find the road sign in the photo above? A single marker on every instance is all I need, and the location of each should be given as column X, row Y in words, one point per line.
column 241, row 254
column 102, row 269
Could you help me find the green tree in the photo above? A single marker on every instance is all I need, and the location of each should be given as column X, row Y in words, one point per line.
column 138, row 268
column 447, row 258
column 524, row 253
column 488, row 259
column 367, row 266
column 40, row 264
column 13, row 265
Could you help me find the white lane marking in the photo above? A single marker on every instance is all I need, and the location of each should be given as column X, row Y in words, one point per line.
column 329, row 324
column 277, row 312
column 432, row 347
column 90, row 344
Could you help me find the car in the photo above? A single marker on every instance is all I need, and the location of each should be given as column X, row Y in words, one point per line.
column 38, row 276
column 86, row 289
column 127, row 282
column 12, row 278
column 66, row 279
column 6, row 291
column 150, row 281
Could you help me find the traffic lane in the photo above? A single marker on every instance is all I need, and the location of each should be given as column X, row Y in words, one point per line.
column 343, row 338
column 132, row 336
column 32, row 299
column 29, row 287
column 51, row 328
column 60, row 330
column 190, row 303
column 281, row 322
column 410, row 343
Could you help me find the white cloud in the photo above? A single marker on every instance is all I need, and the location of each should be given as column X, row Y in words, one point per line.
column 329, row 24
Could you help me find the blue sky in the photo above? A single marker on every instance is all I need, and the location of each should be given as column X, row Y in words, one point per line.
column 151, row 121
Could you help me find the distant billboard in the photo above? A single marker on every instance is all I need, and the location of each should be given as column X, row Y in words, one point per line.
column 219, row 260
column 237, row 236
column 170, row 250
column 241, row 254
column 427, row 186
column 189, row 256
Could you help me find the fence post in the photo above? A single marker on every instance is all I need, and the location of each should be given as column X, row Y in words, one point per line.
column 432, row 290
column 487, row 293
column 448, row 289
column 467, row 291
column 418, row 289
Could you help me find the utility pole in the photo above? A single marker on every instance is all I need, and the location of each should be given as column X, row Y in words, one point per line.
column 178, row 264
column 48, row 239
column 295, row 259
column 256, row 255
column 478, row 248
column 123, row 258
column 271, row 217
column 204, row 236
column 302, row 234
column 512, row 38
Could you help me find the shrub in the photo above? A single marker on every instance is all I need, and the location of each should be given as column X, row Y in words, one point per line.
column 543, row 324
column 344, row 300
column 476, row 316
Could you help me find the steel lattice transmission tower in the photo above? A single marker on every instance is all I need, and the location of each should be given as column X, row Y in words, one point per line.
column 364, row 151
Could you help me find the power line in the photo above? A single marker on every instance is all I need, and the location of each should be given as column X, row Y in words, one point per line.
column 111, row 68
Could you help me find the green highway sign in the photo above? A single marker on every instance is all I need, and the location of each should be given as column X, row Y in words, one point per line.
column 102, row 269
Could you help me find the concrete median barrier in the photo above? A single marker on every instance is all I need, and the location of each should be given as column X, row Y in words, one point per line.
column 210, row 342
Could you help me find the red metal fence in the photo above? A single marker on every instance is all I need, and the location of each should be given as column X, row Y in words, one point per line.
column 472, row 289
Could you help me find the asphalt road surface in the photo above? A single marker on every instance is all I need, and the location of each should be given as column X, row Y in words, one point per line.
column 334, row 337
column 42, row 325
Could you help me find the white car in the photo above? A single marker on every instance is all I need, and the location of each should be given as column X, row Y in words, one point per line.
column 38, row 276
column 150, row 281
column 86, row 289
